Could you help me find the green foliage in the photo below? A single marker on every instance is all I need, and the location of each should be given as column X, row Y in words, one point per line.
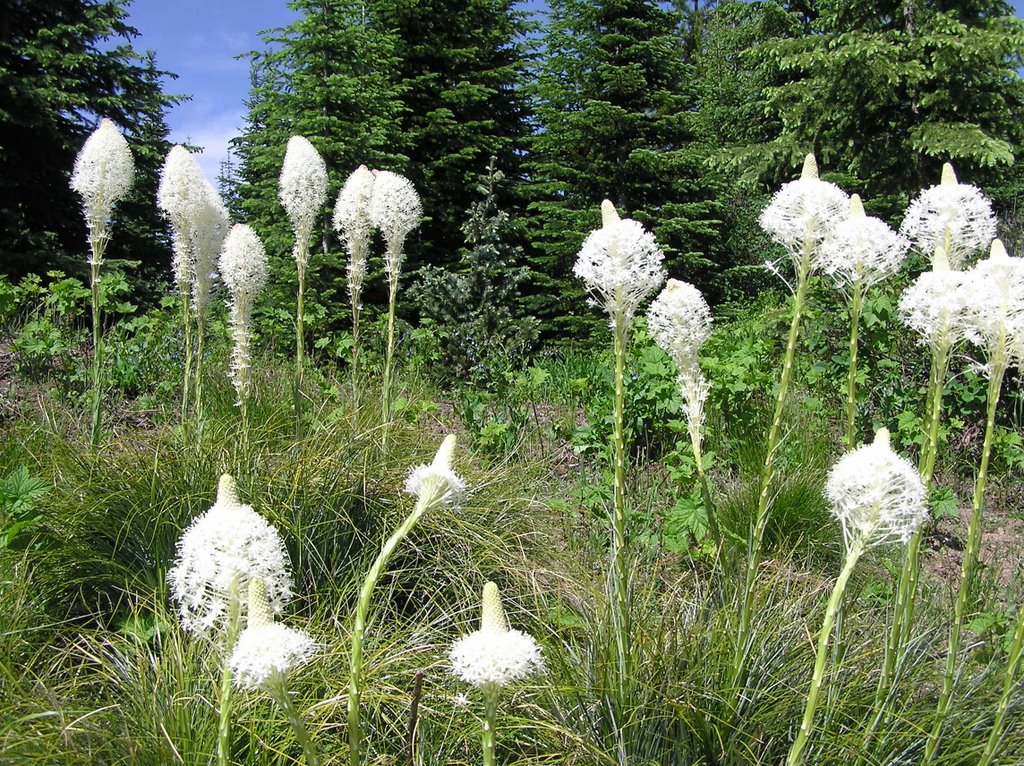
column 472, row 309
column 18, row 495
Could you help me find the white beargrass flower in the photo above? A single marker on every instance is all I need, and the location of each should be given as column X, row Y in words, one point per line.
column 877, row 495
column 182, row 197
column 396, row 210
column 302, row 189
column 437, row 480
column 212, row 227
column 620, row 263
column 266, row 651
column 952, row 215
column 934, row 305
column 804, row 213
column 494, row 656
column 994, row 306
column 243, row 267
column 862, row 249
column 352, row 220
column 103, row 175
column 679, row 320
column 219, row 553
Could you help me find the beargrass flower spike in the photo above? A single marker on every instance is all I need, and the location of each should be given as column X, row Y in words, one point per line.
column 103, row 174
column 434, row 486
column 994, row 308
column 493, row 657
column 954, row 216
column 878, row 498
column 800, row 217
column 621, row 266
column 396, row 210
column 679, row 320
column 352, row 220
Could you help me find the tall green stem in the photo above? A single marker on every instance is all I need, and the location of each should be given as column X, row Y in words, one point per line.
column 97, row 345
column 389, row 358
column 224, row 721
column 300, row 346
column 1009, row 682
column 705, row 489
column 806, row 726
column 856, row 304
column 427, row 499
column 200, row 335
column 186, row 322
column 967, row 566
column 490, row 722
column 279, row 691
column 768, row 469
column 356, row 301
column 620, row 570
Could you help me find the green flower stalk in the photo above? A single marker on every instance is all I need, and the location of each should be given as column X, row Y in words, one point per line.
column 103, row 175
column 491, row 658
column 1009, row 682
column 679, row 319
column 433, row 485
column 352, row 220
column 994, row 320
column 395, row 209
column 265, row 653
column 861, row 252
column 878, row 498
column 303, row 192
column 243, row 267
column 800, row 217
column 621, row 265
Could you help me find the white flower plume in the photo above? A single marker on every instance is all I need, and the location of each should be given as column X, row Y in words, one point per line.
column 103, row 175
column 494, row 655
column 223, row 549
column 302, row 188
column 243, row 262
column 934, row 304
column 396, row 210
column 877, row 495
column 620, row 263
column 437, row 480
column 352, row 220
column 803, row 213
column 994, row 306
column 265, row 649
column 211, row 229
column 862, row 249
column 952, row 215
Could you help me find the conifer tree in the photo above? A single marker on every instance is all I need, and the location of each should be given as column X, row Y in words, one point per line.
column 615, row 119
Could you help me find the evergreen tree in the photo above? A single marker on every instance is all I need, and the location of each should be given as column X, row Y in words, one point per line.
column 59, row 72
column 616, row 122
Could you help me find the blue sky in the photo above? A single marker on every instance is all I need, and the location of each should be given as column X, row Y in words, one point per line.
column 199, row 40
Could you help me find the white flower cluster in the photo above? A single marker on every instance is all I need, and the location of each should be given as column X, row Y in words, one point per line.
column 352, row 221
column 103, row 174
column 395, row 209
column 243, row 263
column 266, row 650
column 199, row 222
column 621, row 264
column 437, row 481
column 494, row 655
column 220, row 552
column 804, row 213
column 679, row 320
column 952, row 215
column 862, row 249
column 877, row 495
column 994, row 307
column 302, row 188
column 934, row 305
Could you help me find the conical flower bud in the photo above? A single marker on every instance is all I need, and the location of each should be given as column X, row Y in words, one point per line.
column 609, row 215
column 809, row 172
column 259, row 606
column 856, row 207
column 948, row 175
column 437, row 479
column 227, row 492
column 862, row 249
column 492, row 614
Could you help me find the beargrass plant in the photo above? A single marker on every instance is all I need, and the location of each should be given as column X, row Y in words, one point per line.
column 800, row 217
column 994, row 322
column 302, row 189
column 621, row 265
column 861, row 252
column 395, row 209
column 352, row 221
column 103, row 174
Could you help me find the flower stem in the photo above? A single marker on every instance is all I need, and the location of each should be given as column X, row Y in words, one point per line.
column 807, row 725
column 200, row 334
column 186, row 322
column 299, row 347
column 490, row 722
column 224, row 721
column 856, row 305
column 356, row 300
column 97, row 343
column 1003, row 706
column 967, row 565
column 279, row 691
column 389, row 359
column 768, row 469
column 620, row 571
